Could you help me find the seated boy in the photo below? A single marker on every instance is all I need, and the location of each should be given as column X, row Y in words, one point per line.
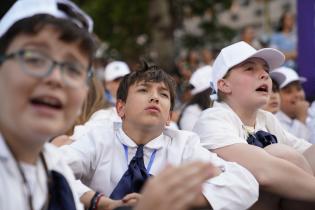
column 237, row 129
column 108, row 156
column 294, row 108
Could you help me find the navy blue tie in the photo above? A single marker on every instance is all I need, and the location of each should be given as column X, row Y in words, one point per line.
column 261, row 139
column 61, row 197
column 134, row 178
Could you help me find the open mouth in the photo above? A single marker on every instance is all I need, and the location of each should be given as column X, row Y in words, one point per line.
column 262, row 88
column 49, row 102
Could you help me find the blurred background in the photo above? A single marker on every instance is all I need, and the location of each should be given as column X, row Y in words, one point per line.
column 182, row 35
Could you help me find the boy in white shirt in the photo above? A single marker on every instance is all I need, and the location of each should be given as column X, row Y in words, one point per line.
column 241, row 80
column 46, row 51
column 293, row 108
column 145, row 102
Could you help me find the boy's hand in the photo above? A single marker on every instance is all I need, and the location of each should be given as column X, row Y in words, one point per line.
column 176, row 188
column 106, row 203
column 131, row 199
column 302, row 110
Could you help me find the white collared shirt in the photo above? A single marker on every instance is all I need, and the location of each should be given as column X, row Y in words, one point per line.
column 294, row 126
column 98, row 159
column 220, row 126
column 13, row 196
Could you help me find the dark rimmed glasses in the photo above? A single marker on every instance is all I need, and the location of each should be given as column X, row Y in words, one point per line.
column 40, row 65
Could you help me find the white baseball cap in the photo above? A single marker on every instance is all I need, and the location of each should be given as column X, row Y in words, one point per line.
column 236, row 53
column 115, row 69
column 58, row 8
column 284, row 76
column 200, row 79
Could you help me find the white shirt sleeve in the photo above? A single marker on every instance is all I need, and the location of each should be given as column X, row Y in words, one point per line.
column 83, row 156
column 283, row 136
column 235, row 188
column 218, row 127
column 295, row 127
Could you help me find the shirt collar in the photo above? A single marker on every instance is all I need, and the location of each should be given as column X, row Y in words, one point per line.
column 155, row 143
column 4, row 150
column 258, row 124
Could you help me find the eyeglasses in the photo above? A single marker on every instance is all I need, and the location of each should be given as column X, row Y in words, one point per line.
column 39, row 65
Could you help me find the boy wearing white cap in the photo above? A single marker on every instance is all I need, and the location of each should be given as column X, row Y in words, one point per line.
column 200, row 100
column 237, row 130
column 46, row 51
column 117, row 158
column 293, row 107
column 113, row 73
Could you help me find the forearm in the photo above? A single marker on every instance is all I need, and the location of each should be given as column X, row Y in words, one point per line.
column 101, row 202
column 288, row 180
column 309, row 154
column 86, row 198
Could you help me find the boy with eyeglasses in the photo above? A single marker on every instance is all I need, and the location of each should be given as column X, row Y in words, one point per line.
column 46, row 51
column 116, row 159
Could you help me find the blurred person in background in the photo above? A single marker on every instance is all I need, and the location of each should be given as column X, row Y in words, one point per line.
column 285, row 39
column 113, row 73
column 200, row 91
column 273, row 104
column 248, row 35
column 206, row 57
column 294, row 108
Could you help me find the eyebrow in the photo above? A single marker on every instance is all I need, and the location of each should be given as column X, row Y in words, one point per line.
column 44, row 47
column 265, row 64
column 149, row 84
column 40, row 45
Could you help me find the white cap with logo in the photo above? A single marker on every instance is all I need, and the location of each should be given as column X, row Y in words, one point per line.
column 115, row 69
column 284, row 76
column 236, row 53
column 200, row 79
column 22, row 9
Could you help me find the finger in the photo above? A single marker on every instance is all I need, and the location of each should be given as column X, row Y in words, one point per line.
column 131, row 202
column 131, row 196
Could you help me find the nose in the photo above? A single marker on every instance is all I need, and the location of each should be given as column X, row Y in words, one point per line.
column 264, row 75
column 55, row 77
column 154, row 97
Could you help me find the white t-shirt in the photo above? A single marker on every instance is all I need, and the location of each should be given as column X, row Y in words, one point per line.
column 189, row 117
column 293, row 126
column 99, row 160
column 13, row 194
column 220, row 126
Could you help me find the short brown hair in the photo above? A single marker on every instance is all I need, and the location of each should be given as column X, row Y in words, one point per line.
column 149, row 73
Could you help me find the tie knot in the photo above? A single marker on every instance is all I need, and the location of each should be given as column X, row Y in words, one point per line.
column 139, row 153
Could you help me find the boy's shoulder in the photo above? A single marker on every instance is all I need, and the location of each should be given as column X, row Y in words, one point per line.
column 180, row 136
column 219, row 112
column 97, row 131
column 54, row 158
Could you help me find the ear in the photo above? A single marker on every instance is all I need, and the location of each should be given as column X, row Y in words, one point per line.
column 169, row 119
column 120, row 107
column 224, row 86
